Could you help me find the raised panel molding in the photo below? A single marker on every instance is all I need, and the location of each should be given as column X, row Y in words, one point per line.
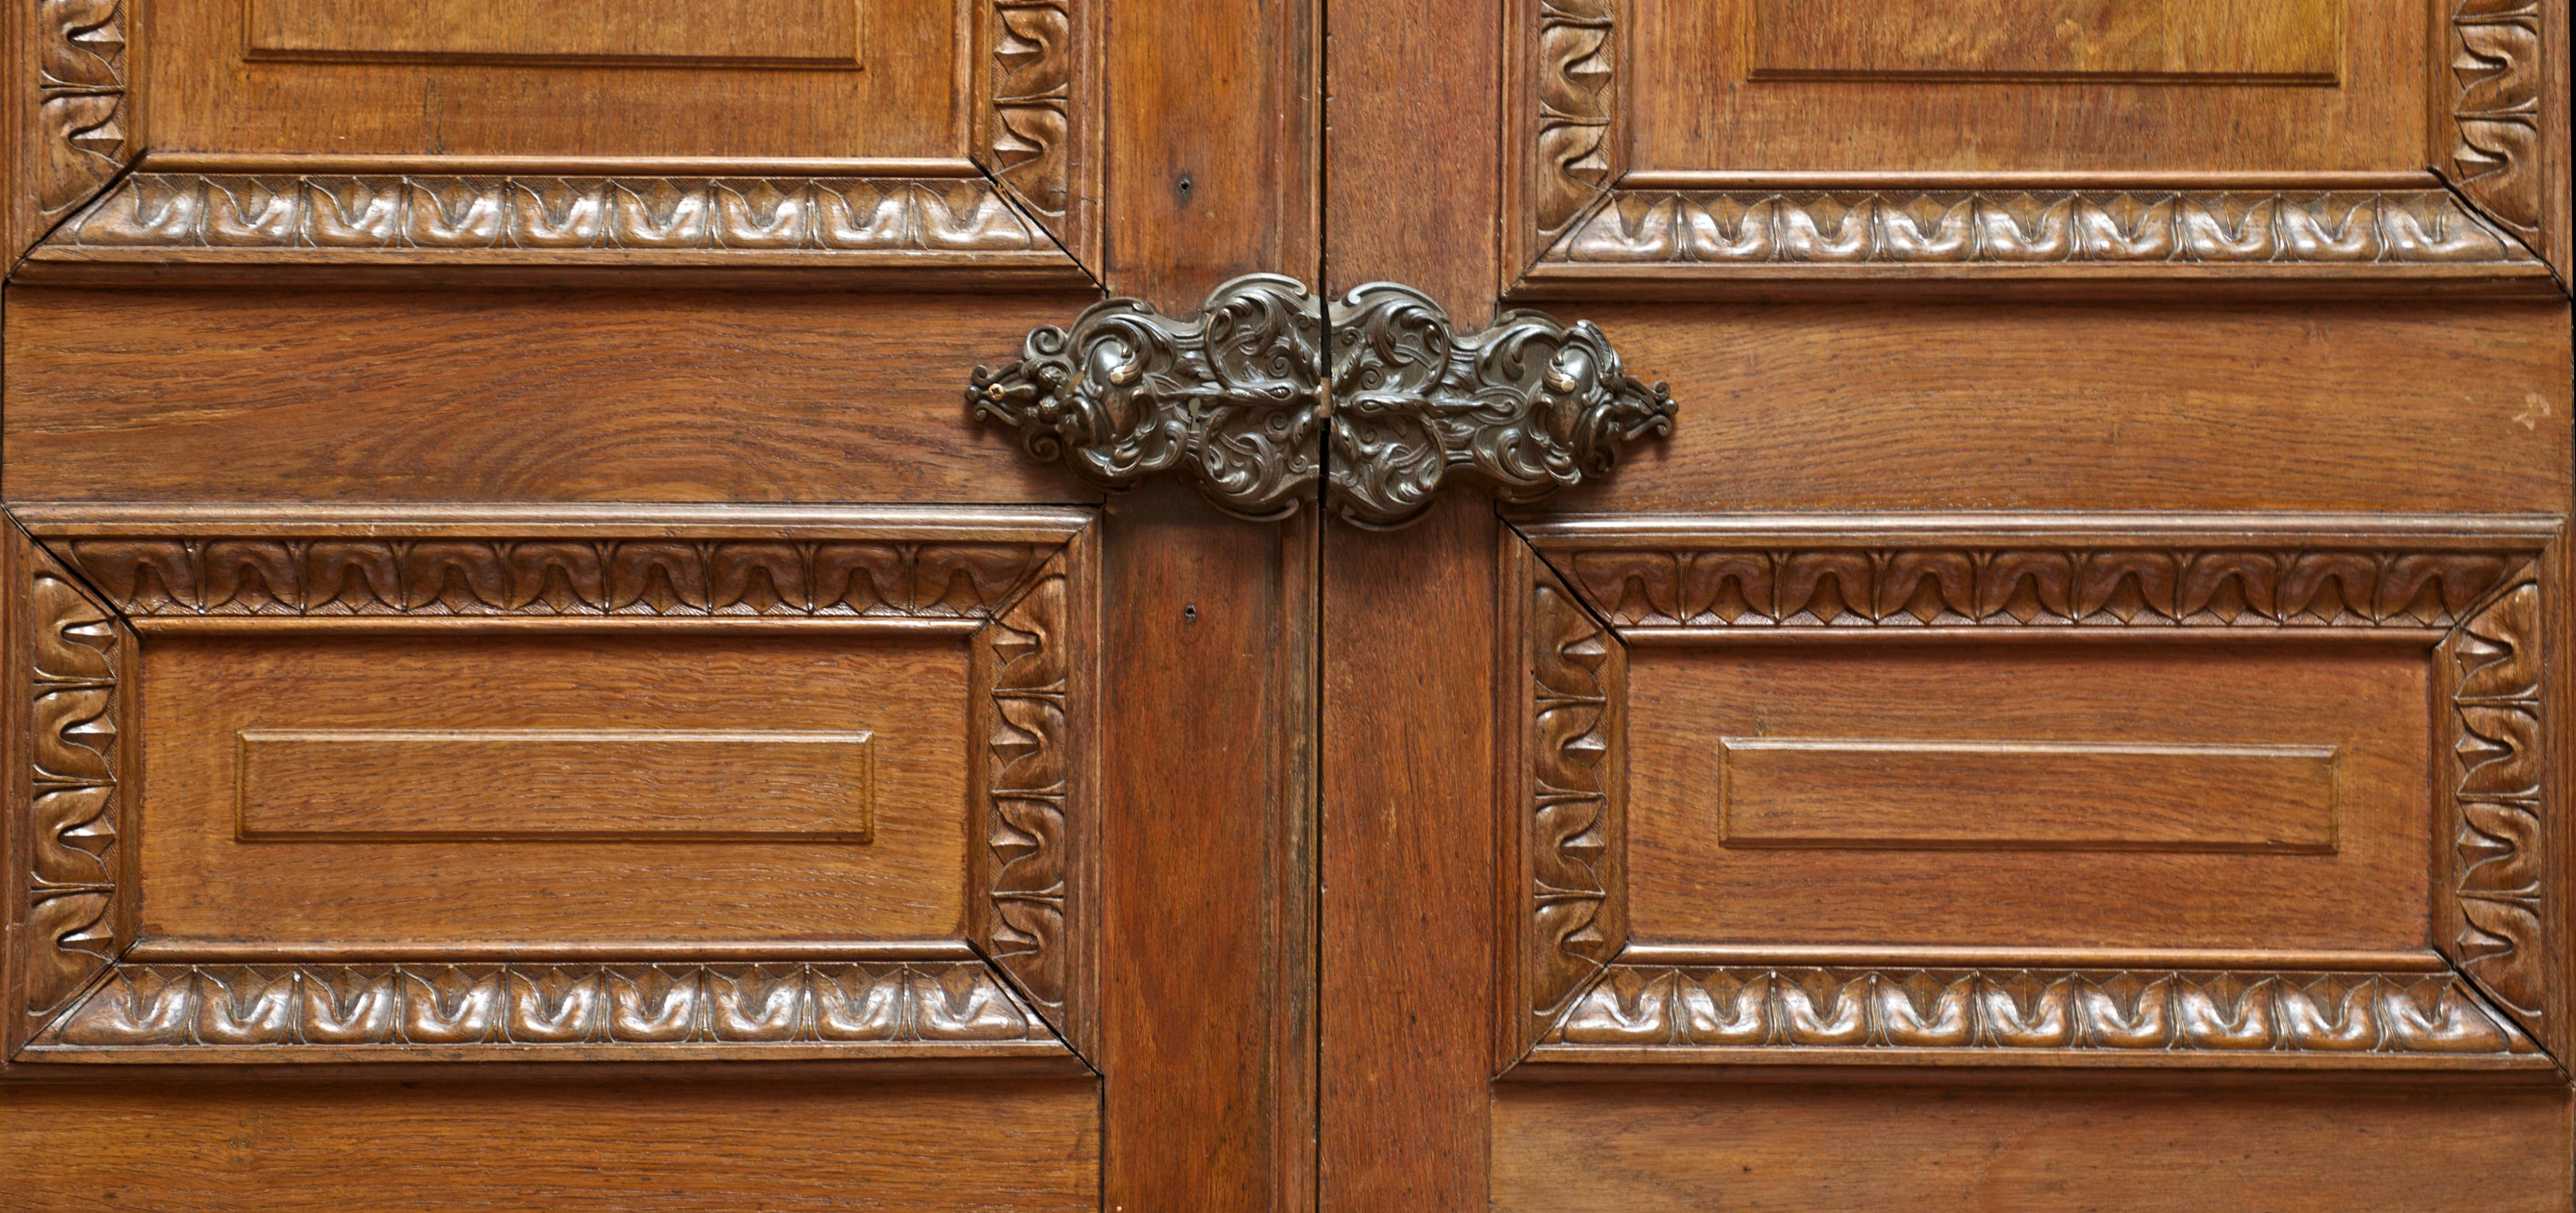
column 1014, row 206
column 1588, row 225
column 2098, row 1016
column 210, row 1013
column 2473, row 591
column 1014, row 586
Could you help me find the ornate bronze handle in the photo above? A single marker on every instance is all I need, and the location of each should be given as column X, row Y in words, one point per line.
column 1234, row 398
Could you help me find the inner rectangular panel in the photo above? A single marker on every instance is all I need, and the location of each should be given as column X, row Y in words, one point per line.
column 2068, row 793
column 2167, row 87
column 578, row 787
column 817, row 79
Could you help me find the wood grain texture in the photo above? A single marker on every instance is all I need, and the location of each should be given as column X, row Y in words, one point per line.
column 1409, row 873
column 1858, row 407
column 2163, row 40
column 1208, row 935
column 1884, row 793
column 1421, row 90
column 553, row 785
column 785, row 1145
column 1643, row 1149
column 335, row 396
column 807, row 31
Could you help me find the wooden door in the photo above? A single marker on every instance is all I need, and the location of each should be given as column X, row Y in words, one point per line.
column 527, row 686
column 2073, row 716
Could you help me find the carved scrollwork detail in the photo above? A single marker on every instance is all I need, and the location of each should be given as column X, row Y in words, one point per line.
column 1229, row 399
column 2160, row 1012
column 400, row 1007
column 1236, row 399
column 1527, row 407
column 2498, row 761
column 75, row 812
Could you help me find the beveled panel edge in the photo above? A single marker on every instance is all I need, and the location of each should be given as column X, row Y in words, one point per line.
column 2489, row 221
column 2486, row 618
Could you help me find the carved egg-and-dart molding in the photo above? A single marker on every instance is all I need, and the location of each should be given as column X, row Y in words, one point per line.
column 1235, row 399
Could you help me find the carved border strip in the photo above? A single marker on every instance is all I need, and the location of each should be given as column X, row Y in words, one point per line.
column 2149, row 1014
column 2498, row 752
column 1035, row 107
column 1029, row 583
column 2498, row 67
column 81, row 138
column 75, row 808
column 553, row 576
column 390, row 1009
column 2471, row 582
column 1584, row 230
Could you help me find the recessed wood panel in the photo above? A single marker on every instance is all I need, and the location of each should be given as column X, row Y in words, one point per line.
column 453, row 884
column 2054, row 39
column 2365, row 701
column 2169, row 87
column 1666, row 1149
column 774, row 1143
column 591, row 78
column 1852, row 793
column 813, row 31
column 554, row 784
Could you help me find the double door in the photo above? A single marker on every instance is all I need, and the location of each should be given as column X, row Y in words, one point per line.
column 1038, row 604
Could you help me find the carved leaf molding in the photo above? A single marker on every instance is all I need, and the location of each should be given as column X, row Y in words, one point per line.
column 1027, row 787
column 2497, row 61
column 76, row 810
column 554, row 576
column 1576, row 846
column 1577, row 106
column 1719, row 228
column 2027, row 586
column 2031, row 1011
column 81, row 100
column 2498, row 800
column 398, row 1007
column 1236, row 400
column 469, row 216
column 1028, row 114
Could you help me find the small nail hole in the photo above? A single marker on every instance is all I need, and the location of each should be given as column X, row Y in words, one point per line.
column 1190, row 614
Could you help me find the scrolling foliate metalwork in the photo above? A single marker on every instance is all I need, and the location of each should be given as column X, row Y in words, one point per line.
column 1236, row 400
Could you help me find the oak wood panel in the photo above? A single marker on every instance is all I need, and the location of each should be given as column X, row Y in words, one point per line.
column 1883, row 793
column 2108, row 407
column 499, row 395
column 1689, row 880
column 416, row 785
column 1409, row 860
column 1640, row 1149
column 1207, row 858
column 201, row 882
column 2279, row 40
column 1689, row 103
column 822, row 31
column 725, row 1142
column 206, row 96
column 71, row 122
